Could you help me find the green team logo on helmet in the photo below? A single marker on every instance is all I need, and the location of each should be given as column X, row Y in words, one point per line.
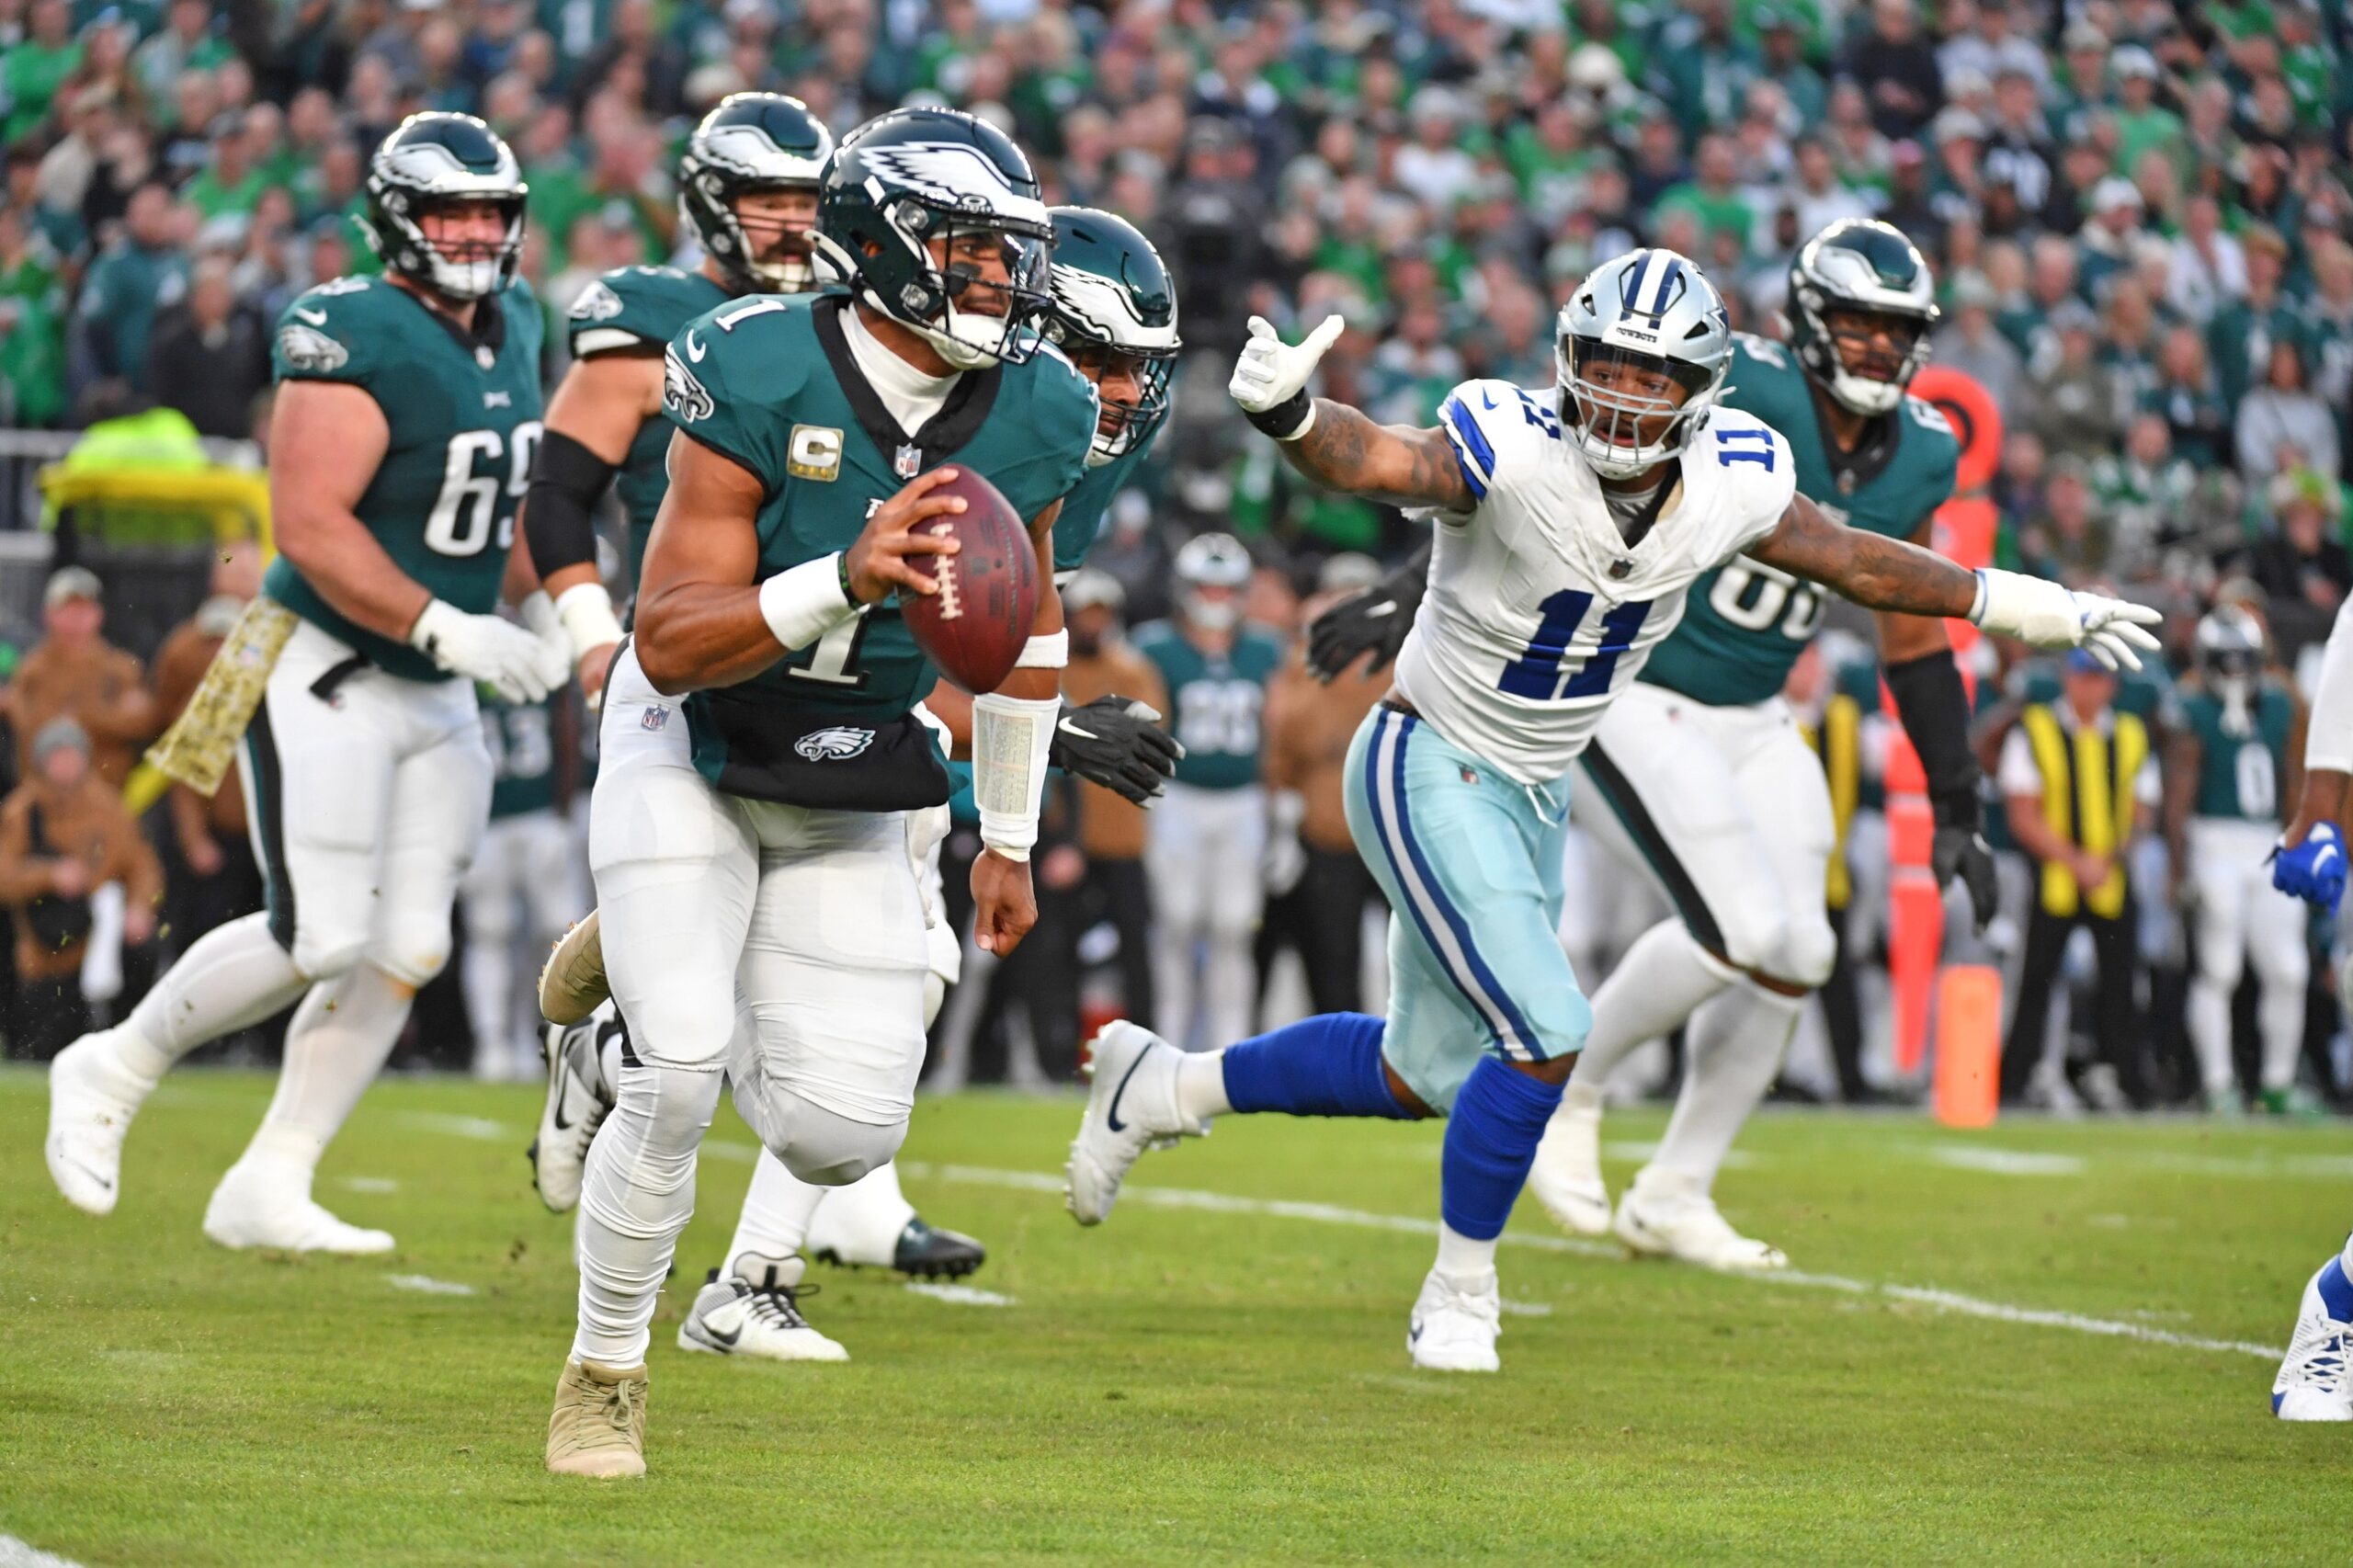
column 441, row 160
column 916, row 178
column 1859, row 268
column 1113, row 312
column 752, row 142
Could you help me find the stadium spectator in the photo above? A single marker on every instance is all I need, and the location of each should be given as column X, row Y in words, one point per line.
column 142, row 273
column 212, row 876
column 2305, row 573
column 74, row 672
column 64, row 838
column 1897, row 69
column 211, row 358
column 2281, row 423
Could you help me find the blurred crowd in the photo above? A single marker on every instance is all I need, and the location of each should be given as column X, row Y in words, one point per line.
column 2138, row 213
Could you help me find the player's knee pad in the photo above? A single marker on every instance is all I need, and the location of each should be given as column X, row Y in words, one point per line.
column 324, row 949
column 641, row 1174
column 2222, row 965
column 2283, row 963
column 411, row 951
column 822, row 1147
column 1808, row 952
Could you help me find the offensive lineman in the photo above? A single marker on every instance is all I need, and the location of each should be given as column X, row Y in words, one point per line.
column 728, row 853
column 2229, row 765
column 400, row 444
column 1572, row 524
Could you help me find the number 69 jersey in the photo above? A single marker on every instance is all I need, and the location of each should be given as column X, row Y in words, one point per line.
column 463, row 416
column 1537, row 612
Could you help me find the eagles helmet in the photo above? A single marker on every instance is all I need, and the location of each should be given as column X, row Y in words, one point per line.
column 2230, row 643
column 1113, row 308
column 751, row 142
column 914, row 176
column 1866, row 266
column 1213, row 560
column 1653, row 310
column 436, row 160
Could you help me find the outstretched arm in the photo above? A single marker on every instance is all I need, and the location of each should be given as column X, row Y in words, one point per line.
column 1887, row 573
column 1333, row 444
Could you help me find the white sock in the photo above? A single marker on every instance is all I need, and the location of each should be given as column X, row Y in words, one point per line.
column 863, row 1222
column 1460, row 1257
column 2281, row 1015
column 2210, row 1032
column 1736, row 1042
column 1201, row 1086
column 775, row 1219
column 486, row 975
column 232, row 978
column 335, row 1046
column 1662, row 979
column 636, row 1194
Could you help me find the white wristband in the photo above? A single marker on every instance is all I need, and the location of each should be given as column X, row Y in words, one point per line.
column 804, row 602
column 1047, row 651
column 1010, row 737
column 587, row 611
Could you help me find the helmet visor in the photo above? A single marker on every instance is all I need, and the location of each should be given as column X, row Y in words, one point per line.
column 1877, row 345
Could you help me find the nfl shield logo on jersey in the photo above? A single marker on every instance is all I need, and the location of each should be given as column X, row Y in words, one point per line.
column 654, row 718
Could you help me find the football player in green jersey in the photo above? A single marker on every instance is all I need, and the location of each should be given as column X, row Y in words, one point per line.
column 1702, row 780
column 400, row 443
column 2230, row 762
column 762, row 748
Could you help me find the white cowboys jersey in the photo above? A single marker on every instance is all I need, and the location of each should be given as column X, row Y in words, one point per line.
column 1537, row 612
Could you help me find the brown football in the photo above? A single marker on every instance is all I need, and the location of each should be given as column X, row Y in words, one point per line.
column 974, row 628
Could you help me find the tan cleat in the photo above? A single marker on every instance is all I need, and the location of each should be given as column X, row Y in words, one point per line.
column 598, row 1427
column 571, row 985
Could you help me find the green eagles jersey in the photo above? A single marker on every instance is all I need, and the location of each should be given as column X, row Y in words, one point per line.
column 630, row 308
column 2240, row 766
column 1216, row 701
column 1745, row 622
column 521, row 738
column 464, row 418
column 1083, row 508
column 769, row 383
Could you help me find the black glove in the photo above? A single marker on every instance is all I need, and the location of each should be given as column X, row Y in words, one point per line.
column 1117, row 743
column 1960, row 850
column 1376, row 620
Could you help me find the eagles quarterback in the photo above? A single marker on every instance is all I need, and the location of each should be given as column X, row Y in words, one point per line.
column 749, row 181
column 401, row 443
column 1572, row 522
column 811, row 433
column 1701, row 779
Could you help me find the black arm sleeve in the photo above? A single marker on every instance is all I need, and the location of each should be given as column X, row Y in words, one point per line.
column 558, row 520
column 1934, row 706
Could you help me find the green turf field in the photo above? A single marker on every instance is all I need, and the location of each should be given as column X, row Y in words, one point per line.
column 2041, row 1343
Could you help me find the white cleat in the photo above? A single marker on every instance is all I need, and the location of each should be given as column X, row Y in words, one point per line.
column 1686, row 1226
column 2313, row 1385
column 1566, row 1177
column 1131, row 1105
column 1455, row 1324
column 269, row 1207
column 91, row 1101
column 756, row 1311
column 575, row 1106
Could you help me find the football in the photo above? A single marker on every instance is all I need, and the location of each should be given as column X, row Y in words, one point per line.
column 974, row 628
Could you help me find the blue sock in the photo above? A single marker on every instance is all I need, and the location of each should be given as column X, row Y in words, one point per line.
column 1491, row 1138
column 1328, row 1066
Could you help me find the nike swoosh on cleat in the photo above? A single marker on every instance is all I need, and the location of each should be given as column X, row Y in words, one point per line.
column 1112, row 1116
column 727, row 1338
column 563, row 1123
column 1414, row 1335
column 104, row 1181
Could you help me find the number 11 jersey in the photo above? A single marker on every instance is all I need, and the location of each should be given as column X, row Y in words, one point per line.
column 1539, row 611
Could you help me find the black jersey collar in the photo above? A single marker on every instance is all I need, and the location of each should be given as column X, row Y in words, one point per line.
column 490, row 323
column 946, row 432
column 1882, row 435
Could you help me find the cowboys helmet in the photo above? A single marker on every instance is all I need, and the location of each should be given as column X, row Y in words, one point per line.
column 751, row 142
column 916, row 176
column 1213, row 560
column 1657, row 310
column 1869, row 267
column 436, row 160
column 1111, row 301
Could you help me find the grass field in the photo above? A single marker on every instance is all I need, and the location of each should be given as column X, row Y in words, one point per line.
column 2043, row 1342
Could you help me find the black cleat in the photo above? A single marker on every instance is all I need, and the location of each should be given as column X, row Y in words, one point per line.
column 925, row 1252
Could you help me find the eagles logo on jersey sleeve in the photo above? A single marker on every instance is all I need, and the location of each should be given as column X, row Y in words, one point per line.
column 320, row 339
column 637, row 308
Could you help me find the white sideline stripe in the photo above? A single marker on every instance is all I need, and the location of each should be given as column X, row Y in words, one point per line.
column 15, row 1554
column 479, row 1128
column 1332, row 1214
column 426, row 1285
column 960, row 1295
column 2005, row 1162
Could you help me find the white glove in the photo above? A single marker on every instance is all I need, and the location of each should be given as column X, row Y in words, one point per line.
column 2038, row 611
column 517, row 664
column 1271, row 374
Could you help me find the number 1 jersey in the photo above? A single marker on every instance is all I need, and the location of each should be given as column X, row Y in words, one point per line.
column 1537, row 612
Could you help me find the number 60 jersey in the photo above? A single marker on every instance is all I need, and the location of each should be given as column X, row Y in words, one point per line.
column 1537, row 612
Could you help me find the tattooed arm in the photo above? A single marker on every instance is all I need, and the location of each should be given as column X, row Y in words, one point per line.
column 1394, row 464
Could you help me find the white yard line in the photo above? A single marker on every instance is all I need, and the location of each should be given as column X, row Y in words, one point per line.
column 426, row 1285
column 959, row 1295
column 1332, row 1214
column 15, row 1554
column 481, row 1129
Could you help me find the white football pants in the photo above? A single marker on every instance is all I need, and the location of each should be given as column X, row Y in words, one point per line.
column 1202, row 859
column 2240, row 917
